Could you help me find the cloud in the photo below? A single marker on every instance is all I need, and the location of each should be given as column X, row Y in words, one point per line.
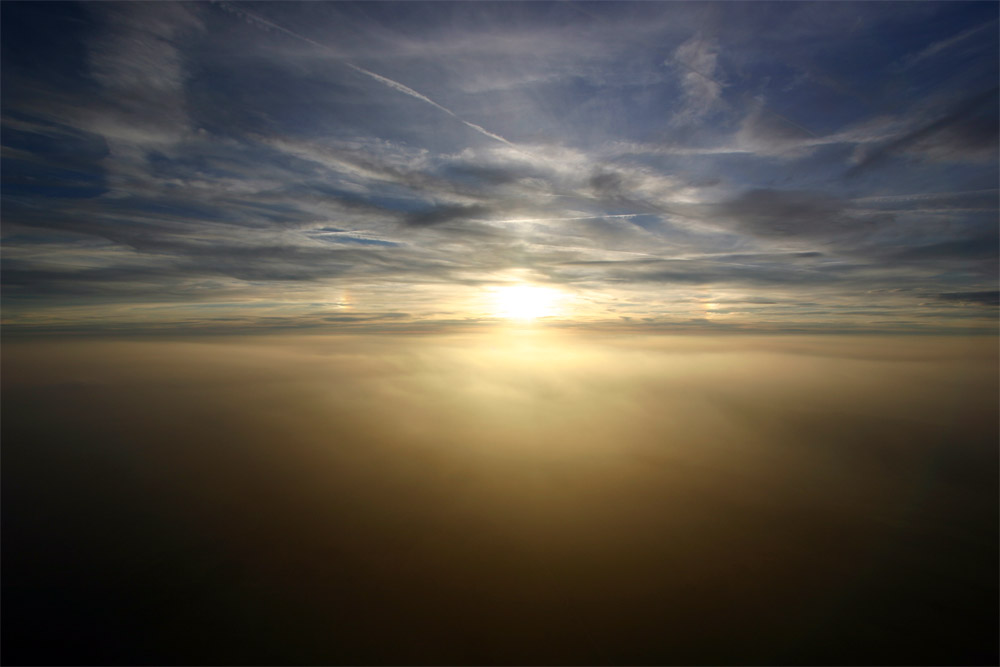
column 978, row 247
column 795, row 213
column 449, row 213
column 968, row 127
column 765, row 132
column 137, row 58
column 217, row 159
column 464, row 474
column 988, row 198
column 937, row 47
column 697, row 60
column 987, row 298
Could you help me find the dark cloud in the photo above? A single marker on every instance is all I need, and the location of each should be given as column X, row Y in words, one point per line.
column 619, row 191
column 490, row 174
column 963, row 128
column 153, row 282
column 34, row 139
column 987, row 298
column 963, row 249
column 447, row 213
column 736, row 271
column 607, row 184
column 794, row 213
column 769, row 257
column 961, row 201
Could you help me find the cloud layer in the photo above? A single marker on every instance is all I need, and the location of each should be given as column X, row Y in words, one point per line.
column 542, row 498
column 179, row 165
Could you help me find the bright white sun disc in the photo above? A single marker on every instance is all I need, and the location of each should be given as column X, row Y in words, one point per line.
column 525, row 302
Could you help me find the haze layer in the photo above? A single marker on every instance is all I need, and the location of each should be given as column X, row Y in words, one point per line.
column 520, row 497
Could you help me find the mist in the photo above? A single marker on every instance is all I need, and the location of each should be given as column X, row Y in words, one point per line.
column 524, row 496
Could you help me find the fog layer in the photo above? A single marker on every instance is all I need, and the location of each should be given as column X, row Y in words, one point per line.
column 518, row 497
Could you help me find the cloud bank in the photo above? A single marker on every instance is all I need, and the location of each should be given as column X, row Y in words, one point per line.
column 534, row 498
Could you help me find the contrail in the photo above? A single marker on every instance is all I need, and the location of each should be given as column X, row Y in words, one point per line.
column 386, row 81
column 937, row 47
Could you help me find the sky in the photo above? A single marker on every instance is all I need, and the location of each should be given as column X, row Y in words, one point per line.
column 765, row 167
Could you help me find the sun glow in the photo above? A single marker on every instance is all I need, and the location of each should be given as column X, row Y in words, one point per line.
column 526, row 302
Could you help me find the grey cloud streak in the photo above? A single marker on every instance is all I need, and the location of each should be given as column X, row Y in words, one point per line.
column 988, row 298
column 959, row 128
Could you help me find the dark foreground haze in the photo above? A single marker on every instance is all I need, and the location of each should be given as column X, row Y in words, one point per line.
column 525, row 497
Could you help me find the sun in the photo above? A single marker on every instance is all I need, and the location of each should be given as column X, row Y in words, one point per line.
column 525, row 302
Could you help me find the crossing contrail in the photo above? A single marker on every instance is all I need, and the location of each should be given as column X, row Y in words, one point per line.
column 384, row 80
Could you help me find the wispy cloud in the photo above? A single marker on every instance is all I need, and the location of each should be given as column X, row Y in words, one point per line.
column 640, row 157
column 698, row 59
column 953, row 127
column 937, row 47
